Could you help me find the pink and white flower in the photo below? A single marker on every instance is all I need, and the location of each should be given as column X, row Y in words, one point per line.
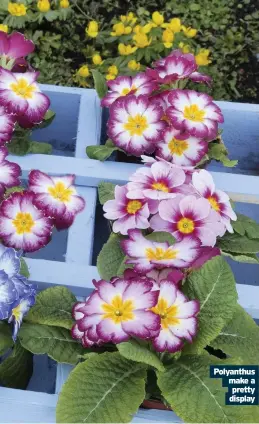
column 161, row 99
column 181, row 149
column 78, row 314
column 9, row 172
column 171, row 274
column 7, row 123
column 202, row 78
column 189, row 216
column 160, row 181
column 20, row 94
column 13, row 47
column 178, row 318
column 114, row 312
column 194, row 113
column 219, row 200
column 147, row 255
column 135, row 124
column 124, row 86
column 57, row 197
column 22, row 225
column 127, row 213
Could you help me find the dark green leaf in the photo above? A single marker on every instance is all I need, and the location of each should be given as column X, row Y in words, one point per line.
column 111, row 259
column 249, row 258
column 40, row 148
column 245, row 225
column 139, row 352
column 16, row 369
column 99, row 83
column 6, row 341
column 235, row 243
column 100, row 152
column 105, row 192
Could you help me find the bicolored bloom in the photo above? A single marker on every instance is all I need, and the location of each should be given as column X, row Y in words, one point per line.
column 20, row 94
column 162, row 100
column 116, row 311
column 127, row 213
column 188, row 170
column 7, row 123
column 124, row 85
column 22, row 225
column 202, row 78
column 160, row 181
column 219, row 200
column 194, row 113
column 135, row 124
column 20, row 308
column 9, row 172
column 57, row 197
column 180, row 148
column 13, row 47
column 171, row 274
column 189, row 216
column 178, row 318
column 147, row 255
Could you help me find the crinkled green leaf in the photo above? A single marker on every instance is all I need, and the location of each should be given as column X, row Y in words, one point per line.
column 245, row 225
column 249, row 258
column 105, row 192
column 53, row 307
column 214, row 286
column 104, row 389
column 100, row 84
column 6, row 341
column 56, row 342
column 40, row 148
column 196, row 398
column 100, row 152
column 19, row 146
column 139, row 352
column 111, row 259
column 235, row 243
column 16, row 369
column 240, row 337
column 24, row 270
column 161, row 237
column 219, row 152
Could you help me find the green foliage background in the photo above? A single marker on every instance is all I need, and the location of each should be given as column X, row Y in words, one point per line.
column 229, row 28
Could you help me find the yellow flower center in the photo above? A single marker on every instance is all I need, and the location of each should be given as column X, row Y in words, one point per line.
column 16, row 312
column 119, row 310
column 22, row 88
column 131, row 90
column 186, row 225
column 160, row 187
column 193, row 113
column 133, row 206
column 214, row 203
column 136, row 125
column 159, row 254
column 60, row 192
column 167, row 313
column 177, row 147
column 23, row 222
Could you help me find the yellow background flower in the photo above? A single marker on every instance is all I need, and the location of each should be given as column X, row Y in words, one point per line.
column 141, row 40
column 189, row 32
column 112, row 72
column 97, row 59
column 157, row 18
column 83, row 71
column 202, row 58
column 184, row 47
column 174, row 25
column 43, row 5
column 125, row 50
column 120, row 29
column 168, row 38
column 92, row 29
column 3, row 28
column 133, row 65
column 64, row 4
column 17, row 9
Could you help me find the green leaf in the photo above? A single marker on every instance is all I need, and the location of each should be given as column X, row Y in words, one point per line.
column 56, row 342
column 238, row 244
column 16, row 370
column 111, row 258
column 196, row 398
column 194, row 7
column 53, row 307
column 24, row 270
column 249, row 258
column 100, row 152
column 40, row 148
column 245, row 225
column 19, row 146
column 104, row 389
column 6, row 341
column 161, row 237
column 17, row 189
column 47, row 120
column 106, row 192
column 99, row 83
column 214, row 286
column 139, row 352
column 240, row 337
column 219, row 152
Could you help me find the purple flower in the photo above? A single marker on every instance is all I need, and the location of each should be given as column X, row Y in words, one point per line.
column 7, row 123
column 9, row 172
column 14, row 47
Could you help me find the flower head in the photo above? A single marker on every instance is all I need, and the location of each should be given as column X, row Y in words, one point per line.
column 64, row 4
column 180, row 148
column 202, row 58
column 83, row 71
column 194, row 113
column 7, row 123
column 157, row 19
column 124, row 86
column 141, row 40
column 43, row 5
column 147, row 255
column 15, row 46
column 133, row 65
column 120, row 29
column 9, row 172
column 112, row 72
column 189, row 32
column 126, row 50
column 174, row 25
column 178, row 318
column 219, row 200
column 139, row 29
column 184, row 47
column 135, row 124
column 116, row 311
column 168, row 38
column 22, row 225
column 20, row 94
column 127, row 213
column 4, row 28
column 57, row 197
column 97, row 59
column 16, row 9
column 92, row 29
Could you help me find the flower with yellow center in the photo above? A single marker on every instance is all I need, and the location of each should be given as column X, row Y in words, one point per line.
column 168, row 38
column 16, row 9
column 97, row 59
column 3, row 28
column 168, row 314
column 118, row 310
column 160, row 187
column 136, row 125
column 184, row 47
column 157, row 19
column 185, row 225
column 202, row 58
column 92, row 30
column 43, row 5
column 175, row 25
column 61, row 192
column 22, row 88
column 133, row 65
column 214, row 203
column 189, row 32
column 118, row 29
column 194, row 113
column 141, row 40
column 23, row 223
column 133, row 206
column 138, row 29
column 83, row 71
column 113, row 70
column 177, row 147
column 126, row 50
column 160, row 254
column 64, row 4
